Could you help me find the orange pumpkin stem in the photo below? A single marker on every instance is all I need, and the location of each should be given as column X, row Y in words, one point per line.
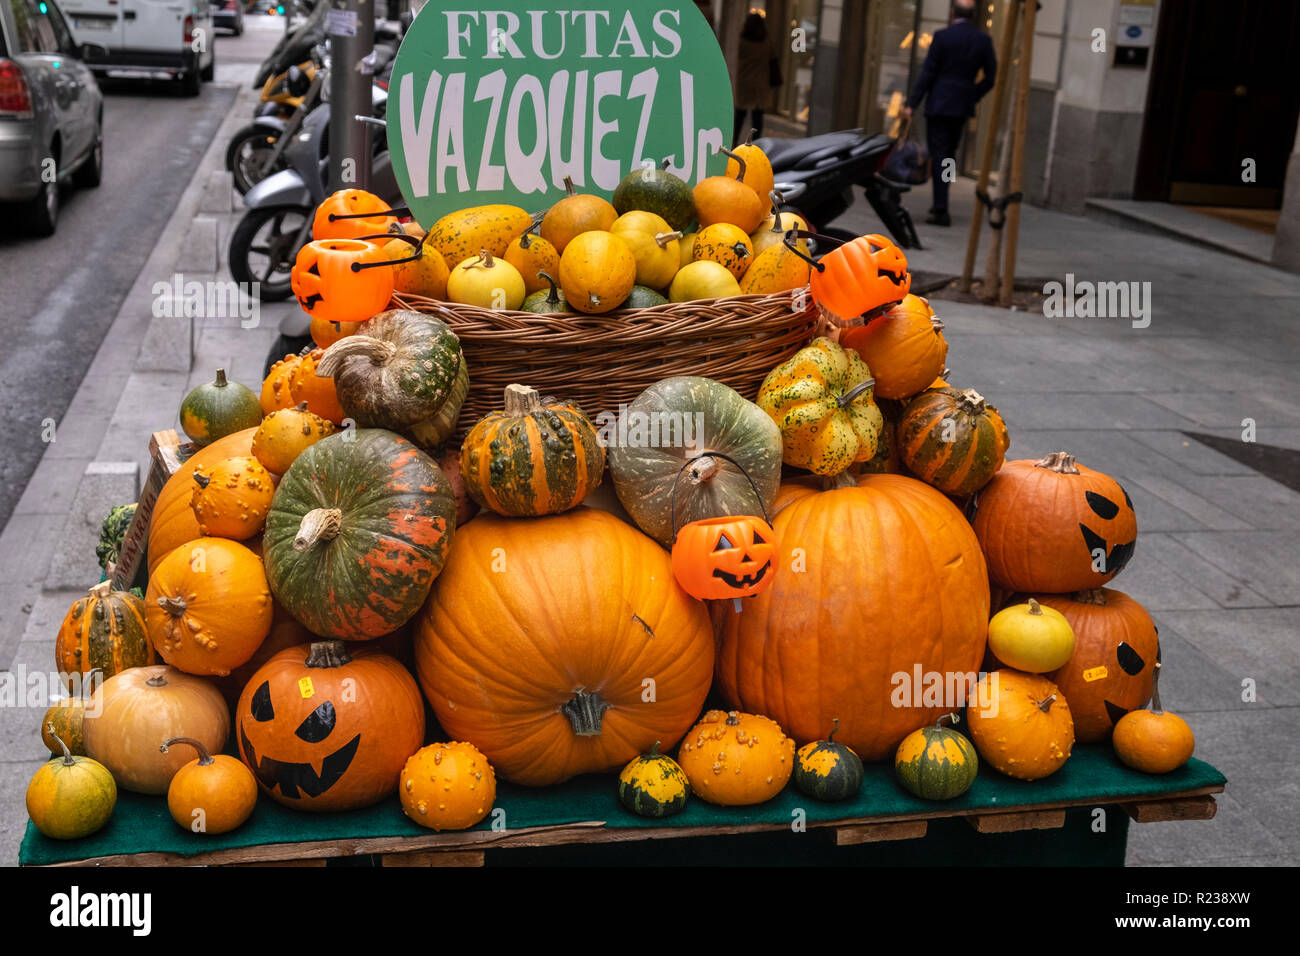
column 101, row 590
column 67, row 754
column 522, row 400
column 157, row 681
column 1061, row 462
column 663, row 238
column 1046, row 703
column 1095, row 597
column 205, row 758
column 733, row 718
column 319, row 524
column 201, row 480
column 328, row 654
column 584, row 711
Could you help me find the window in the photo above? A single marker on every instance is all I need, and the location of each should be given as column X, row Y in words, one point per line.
column 61, row 32
column 27, row 42
column 46, row 40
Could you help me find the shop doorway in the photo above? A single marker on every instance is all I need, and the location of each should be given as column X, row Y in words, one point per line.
column 1223, row 104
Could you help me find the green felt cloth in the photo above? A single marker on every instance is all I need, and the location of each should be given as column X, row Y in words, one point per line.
column 1092, row 776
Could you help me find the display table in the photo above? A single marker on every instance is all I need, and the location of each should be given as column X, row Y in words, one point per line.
column 586, row 811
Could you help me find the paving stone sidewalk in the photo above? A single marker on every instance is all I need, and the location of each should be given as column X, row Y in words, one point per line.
column 1218, row 558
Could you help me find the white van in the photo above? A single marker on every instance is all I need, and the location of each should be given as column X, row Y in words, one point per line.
column 148, row 38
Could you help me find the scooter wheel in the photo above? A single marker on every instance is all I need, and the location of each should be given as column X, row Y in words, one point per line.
column 246, row 155
column 263, row 248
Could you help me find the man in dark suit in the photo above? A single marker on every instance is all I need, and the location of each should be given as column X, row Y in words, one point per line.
column 947, row 84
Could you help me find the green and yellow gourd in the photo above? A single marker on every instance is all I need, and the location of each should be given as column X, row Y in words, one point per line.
column 219, row 408
column 952, row 439
column 826, row 770
column 547, row 302
column 532, row 458
column 653, row 785
column 936, row 763
column 462, row 234
column 822, row 401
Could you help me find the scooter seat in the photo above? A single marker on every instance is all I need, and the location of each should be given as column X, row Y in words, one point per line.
column 792, row 153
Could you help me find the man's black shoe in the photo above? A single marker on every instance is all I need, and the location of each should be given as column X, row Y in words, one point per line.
column 938, row 219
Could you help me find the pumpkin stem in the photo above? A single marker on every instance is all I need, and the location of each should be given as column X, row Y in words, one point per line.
column 741, row 250
column 584, row 711
column 487, row 258
column 849, row 397
column 1061, row 462
column 319, row 524
column 663, row 238
column 101, row 590
column 654, row 751
column 67, row 754
column 1155, row 691
column 553, row 297
column 953, row 719
column 568, row 186
column 205, row 758
column 379, row 351
column 702, row 469
column 830, row 738
column 971, row 402
column 1046, row 703
column 733, row 718
column 158, row 680
column 175, row 606
column 663, row 164
column 328, row 654
column 749, row 140
column 200, row 479
column 526, row 240
column 221, row 379
column 835, row 482
column 522, row 400
column 1035, row 608
column 739, row 161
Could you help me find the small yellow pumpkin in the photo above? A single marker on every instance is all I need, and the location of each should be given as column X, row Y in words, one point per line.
column 426, row 276
column 775, row 269
column 210, row 794
column 532, row 255
column 770, row 232
column 70, row 797
column 686, row 247
column 487, row 282
column 1021, row 724
column 575, row 214
column 734, row 759
column 1031, row 637
column 654, row 248
column 1153, row 740
column 447, row 786
column 702, row 280
column 285, row 433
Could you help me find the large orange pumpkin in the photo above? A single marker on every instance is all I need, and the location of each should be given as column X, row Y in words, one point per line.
column 1054, row 526
column 561, row 645
column 327, row 727
column 173, row 522
column 1112, row 669
column 882, row 584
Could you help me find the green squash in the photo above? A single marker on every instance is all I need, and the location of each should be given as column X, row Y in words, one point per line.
column 653, row 785
column 642, row 297
column 397, row 373
column 674, row 420
column 546, row 302
column 936, row 763
column 219, row 408
column 112, row 533
column 826, row 770
column 657, row 191
column 359, row 527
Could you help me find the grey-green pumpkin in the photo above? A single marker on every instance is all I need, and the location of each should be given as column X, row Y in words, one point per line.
column 826, row 770
column 936, row 763
column 682, row 418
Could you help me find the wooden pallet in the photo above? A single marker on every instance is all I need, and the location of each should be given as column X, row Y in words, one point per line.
column 467, row 848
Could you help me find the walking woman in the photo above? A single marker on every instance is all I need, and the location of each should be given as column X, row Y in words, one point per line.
column 758, row 75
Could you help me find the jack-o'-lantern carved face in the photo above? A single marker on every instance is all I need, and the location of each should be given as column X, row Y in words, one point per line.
column 1116, row 646
column 326, row 223
column 860, row 278
column 727, row 557
column 325, row 730
column 329, row 288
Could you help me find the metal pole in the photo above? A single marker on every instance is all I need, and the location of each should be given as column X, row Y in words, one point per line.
column 1018, row 153
column 350, row 25
column 1011, row 11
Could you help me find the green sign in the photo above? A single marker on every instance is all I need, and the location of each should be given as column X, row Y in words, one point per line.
column 498, row 105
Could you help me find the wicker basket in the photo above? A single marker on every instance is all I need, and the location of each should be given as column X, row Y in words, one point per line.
column 603, row 361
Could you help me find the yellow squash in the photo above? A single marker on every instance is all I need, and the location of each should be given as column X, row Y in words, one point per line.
column 461, row 234
column 775, row 269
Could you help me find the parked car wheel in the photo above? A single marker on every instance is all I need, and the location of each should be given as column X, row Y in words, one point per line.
column 42, row 211
column 91, row 172
column 209, row 72
column 191, row 83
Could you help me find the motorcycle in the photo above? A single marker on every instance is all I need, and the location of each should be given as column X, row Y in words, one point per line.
column 815, row 178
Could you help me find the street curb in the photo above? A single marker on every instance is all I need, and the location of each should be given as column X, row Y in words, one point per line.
column 71, row 561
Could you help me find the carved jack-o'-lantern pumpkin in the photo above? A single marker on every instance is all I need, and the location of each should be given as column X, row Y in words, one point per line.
column 351, row 214
column 1054, row 526
column 333, row 281
column 323, row 728
column 860, row 278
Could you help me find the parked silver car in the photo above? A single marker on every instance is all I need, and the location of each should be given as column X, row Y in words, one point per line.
column 51, row 112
